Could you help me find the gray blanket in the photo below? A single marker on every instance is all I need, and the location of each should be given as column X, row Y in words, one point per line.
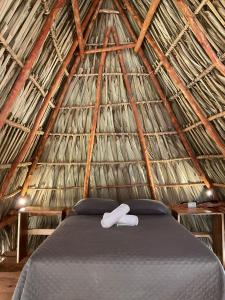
column 157, row 260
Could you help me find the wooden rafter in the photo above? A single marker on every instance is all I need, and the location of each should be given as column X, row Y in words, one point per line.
column 166, row 103
column 213, row 134
column 110, row 49
column 95, row 115
column 25, row 71
column 150, row 14
column 199, row 33
column 57, row 80
column 94, row 13
column 53, row 35
column 79, row 30
column 137, row 121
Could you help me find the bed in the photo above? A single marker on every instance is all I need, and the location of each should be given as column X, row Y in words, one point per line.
column 156, row 260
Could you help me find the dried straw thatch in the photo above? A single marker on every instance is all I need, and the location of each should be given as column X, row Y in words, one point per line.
column 118, row 169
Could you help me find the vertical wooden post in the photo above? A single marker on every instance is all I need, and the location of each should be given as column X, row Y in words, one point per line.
column 25, row 71
column 166, row 102
column 22, row 236
column 39, row 150
column 218, row 235
column 137, row 120
column 78, row 26
column 95, row 115
column 153, row 6
column 199, row 33
column 57, row 80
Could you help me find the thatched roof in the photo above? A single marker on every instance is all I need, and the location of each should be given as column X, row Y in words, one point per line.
column 118, row 164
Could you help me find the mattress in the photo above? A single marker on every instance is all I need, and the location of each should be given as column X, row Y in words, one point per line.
column 156, row 260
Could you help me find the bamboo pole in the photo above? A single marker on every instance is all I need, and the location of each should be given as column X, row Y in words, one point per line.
column 166, row 103
column 25, row 71
column 137, row 120
column 95, row 115
column 150, row 14
column 141, row 184
column 102, row 163
column 213, row 134
column 28, row 142
column 54, row 114
column 79, row 30
column 110, row 49
column 200, row 34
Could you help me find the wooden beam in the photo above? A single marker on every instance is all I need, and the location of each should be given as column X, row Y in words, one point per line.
column 79, row 30
column 94, row 10
column 166, row 102
column 200, row 34
column 110, row 49
column 152, row 8
column 25, row 71
column 95, row 115
column 137, row 121
column 57, row 80
column 213, row 134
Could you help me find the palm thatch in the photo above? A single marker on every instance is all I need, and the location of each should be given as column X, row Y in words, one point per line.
column 118, row 169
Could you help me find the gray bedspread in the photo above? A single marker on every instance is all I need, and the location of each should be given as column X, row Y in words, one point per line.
column 157, row 260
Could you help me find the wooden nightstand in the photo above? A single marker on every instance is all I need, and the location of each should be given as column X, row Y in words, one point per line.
column 217, row 233
column 23, row 231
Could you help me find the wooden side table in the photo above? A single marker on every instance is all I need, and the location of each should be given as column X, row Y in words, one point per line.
column 217, row 233
column 23, row 231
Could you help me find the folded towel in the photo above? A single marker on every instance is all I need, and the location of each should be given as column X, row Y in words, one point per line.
column 115, row 216
column 127, row 220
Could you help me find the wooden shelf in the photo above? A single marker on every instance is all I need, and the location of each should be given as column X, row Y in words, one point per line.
column 217, row 234
column 23, row 231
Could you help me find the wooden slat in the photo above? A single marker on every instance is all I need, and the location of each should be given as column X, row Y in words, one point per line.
column 150, row 14
column 137, row 121
column 95, row 115
column 40, row 231
column 25, row 71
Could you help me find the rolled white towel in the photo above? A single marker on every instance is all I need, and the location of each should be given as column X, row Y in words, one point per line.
column 127, row 220
column 115, row 216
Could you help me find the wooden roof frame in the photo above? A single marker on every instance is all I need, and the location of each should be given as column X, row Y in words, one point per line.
column 28, row 142
column 26, row 69
column 178, row 82
column 25, row 72
column 137, row 121
column 166, row 102
column 95, row 114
